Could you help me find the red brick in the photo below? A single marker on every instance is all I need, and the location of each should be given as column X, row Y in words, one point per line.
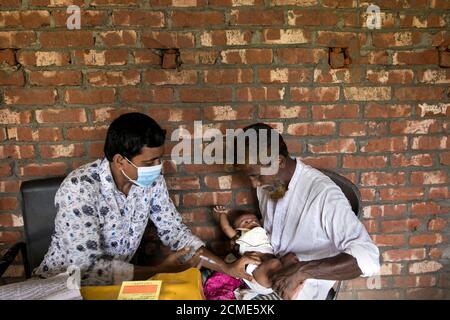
column 397, row 39
column 8, row 56
column 61, row 151
column 367, row 93
column 334, row 146
column 89, row 18
column 43, row 58
column 378, row 211
column 101, row 57
column 146, row 56
column 54, row 78
column 205, row 95
column 375, row 110
column 286, row 36
column 283, row 112
column 415, row 281
column 337, row 39
column 140, row 18
column 227, row 113
column 284, row 75
column 226, row 38
column 30, row 96
column 10, row 186
column 420, row 93
column 260, row 93
column 382, row 178
column 206, row 198
column 129, row 3
column 416, row 57
column 86, row 133
column 11, row 78
column 390, row 76
column 301, row 55
column 60, row 115
column 47, row 169
column 395, row 240
column 9, row 236
column 163, row 77
column 437, row 224
column 66, row 39
column 326, row 162
column 429, row 177
column 16, row 151
column 197, row 19
column 40, row 134
column 386, row 145
column 404, row 255
column 172, row 114
column 428, row 208
column 27, row 19
column 401, row 194
column 257, row 17
column 17, row 39
column 157, row 95
column 118, row 38
column 183, row 183
column 335, row 111
column 53, row 3
column 355, row 162
column 323, row 94
column 379, row 294
column 426, row 239
column 228, row 76
column 312, row 129
column 424, row 267
column 247, row 56
column 406, row 225
column 167, row 39
column 114, row 78
column 8, row 203
column 312, row 17
column 89, row 97
column 430, row 143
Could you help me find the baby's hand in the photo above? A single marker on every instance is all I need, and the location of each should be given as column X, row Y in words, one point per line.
column 218, row 211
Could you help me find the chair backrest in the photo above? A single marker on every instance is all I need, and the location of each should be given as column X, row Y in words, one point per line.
column 39, row 214
column 348, row 188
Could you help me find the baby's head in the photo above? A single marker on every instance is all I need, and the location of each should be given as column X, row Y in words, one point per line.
column 243, row 219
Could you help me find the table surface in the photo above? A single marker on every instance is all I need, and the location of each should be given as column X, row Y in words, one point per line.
column 186, row 285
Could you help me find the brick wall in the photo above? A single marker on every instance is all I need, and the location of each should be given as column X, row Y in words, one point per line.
column 370, row 104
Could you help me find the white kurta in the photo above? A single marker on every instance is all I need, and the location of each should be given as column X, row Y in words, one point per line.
column 314, row 220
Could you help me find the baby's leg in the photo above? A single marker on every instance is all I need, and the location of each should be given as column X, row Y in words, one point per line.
column 263, row 272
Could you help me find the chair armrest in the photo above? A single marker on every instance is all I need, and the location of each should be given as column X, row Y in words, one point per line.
column 10, row 255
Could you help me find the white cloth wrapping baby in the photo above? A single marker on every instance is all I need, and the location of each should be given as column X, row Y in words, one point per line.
column 256, row 240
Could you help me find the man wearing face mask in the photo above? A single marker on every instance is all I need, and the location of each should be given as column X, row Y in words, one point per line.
column 310, row 222
column 103, row 208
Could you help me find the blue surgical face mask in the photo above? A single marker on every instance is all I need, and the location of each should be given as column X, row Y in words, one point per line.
column 146, row 175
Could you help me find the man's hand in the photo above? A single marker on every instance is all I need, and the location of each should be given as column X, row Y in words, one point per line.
column 237, row 268
column 173, row 262
column 288, row 281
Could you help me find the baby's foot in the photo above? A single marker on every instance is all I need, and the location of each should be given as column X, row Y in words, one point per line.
column 218, row 211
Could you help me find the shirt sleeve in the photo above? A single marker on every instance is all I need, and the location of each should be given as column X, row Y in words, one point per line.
column 171, row 230
column 77, row 240
column 348, row 233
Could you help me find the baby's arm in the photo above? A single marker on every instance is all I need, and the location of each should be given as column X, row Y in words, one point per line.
column 221, row 213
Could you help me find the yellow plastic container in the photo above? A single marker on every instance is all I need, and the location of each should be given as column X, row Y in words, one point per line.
column 186, row 285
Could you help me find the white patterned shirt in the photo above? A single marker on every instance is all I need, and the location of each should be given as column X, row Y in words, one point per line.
column 98, row 228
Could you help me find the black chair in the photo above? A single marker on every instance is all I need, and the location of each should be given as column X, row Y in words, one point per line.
column 39, row 212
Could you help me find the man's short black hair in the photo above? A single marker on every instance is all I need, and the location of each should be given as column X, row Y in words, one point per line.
column 261, row 127
column 130, row 132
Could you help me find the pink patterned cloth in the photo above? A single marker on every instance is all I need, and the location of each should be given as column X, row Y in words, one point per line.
column 220, row 286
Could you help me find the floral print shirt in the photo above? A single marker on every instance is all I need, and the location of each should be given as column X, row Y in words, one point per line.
column 98, row 229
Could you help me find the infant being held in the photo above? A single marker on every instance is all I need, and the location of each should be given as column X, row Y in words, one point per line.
column 245, row 229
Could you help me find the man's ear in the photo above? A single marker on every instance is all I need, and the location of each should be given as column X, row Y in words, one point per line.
column 119, row 161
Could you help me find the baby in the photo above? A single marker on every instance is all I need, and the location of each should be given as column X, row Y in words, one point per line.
column 245, row 229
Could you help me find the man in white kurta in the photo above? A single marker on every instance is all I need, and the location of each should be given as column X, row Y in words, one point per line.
column 310, row 219
column 314, row 220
